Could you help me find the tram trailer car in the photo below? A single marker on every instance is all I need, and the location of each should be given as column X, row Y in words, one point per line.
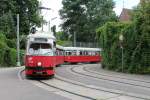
column 59, row 55
column 40, row 58
column 82, row 55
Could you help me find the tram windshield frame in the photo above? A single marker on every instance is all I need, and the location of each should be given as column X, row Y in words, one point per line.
column 43, row 49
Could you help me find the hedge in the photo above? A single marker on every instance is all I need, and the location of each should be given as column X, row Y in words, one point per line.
column 9, row 57
column 8, row 53
column 136, row 59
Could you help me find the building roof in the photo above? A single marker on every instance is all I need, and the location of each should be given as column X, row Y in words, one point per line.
column 146, row 1
column 125, row 15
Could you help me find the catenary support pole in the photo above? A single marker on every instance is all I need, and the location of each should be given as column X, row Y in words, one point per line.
column 122, row 58
column 18, row 42
column 74, row 39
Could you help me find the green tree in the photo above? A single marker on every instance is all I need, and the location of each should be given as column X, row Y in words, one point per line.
column 98, row 12
column 141, row 20
column 28, row 10
column 61, row 36
column 83, row 17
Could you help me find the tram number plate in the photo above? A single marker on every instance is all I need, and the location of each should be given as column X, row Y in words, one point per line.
column 39, row 72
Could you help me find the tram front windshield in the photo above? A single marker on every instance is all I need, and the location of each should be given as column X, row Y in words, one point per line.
column 40, row 49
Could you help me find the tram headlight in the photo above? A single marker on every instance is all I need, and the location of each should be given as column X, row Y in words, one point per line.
column 39, row 64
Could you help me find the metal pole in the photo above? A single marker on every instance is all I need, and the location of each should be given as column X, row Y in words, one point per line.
column 122, row 58
column 121, row 43
column 42, row 22
column 18, row 42
column 49, row 26
column 74, row 39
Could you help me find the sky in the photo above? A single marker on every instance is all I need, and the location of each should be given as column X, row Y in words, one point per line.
column 56, row 5
column 127, row 4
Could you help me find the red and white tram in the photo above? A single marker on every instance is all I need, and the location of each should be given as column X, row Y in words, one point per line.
column 42, row 55
column 59, row 55
column 40, row 58
column 82, row 55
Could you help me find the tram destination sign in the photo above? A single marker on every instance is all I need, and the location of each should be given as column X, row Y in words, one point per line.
column 40, row 39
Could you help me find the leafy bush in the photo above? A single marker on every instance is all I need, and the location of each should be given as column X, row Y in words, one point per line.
column 60, row 42
column 8, row 53
column 12, row 56
column 3, row 48
column 136, row 49
column 2, row 52
column 11, row 43
column 109, row 41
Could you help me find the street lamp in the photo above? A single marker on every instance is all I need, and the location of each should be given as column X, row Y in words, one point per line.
column 121, row 46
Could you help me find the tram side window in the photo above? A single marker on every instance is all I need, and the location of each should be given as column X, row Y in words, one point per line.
column 89, row 53
column 86, row 53
column 93, row 53
column 73, row 53
column 97, row 53
column 78, row 53
column 61, row 53
column 81, row 53
column 57, row 52
column 69, row 53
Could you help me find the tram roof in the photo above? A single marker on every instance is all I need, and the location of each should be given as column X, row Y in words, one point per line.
column 42, row 35
column 81, row 49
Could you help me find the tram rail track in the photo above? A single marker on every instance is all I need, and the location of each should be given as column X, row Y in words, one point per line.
column 85, row 86
column 94, row 72
column 87, row 97
column 88, row 86
column 82, row 74
column 72, row 69
column 44, row 83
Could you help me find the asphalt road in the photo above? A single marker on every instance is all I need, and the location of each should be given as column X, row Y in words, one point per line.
column 66, row 72
column 14, row 88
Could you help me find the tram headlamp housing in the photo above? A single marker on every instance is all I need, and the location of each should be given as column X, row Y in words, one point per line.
column 39, row 64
